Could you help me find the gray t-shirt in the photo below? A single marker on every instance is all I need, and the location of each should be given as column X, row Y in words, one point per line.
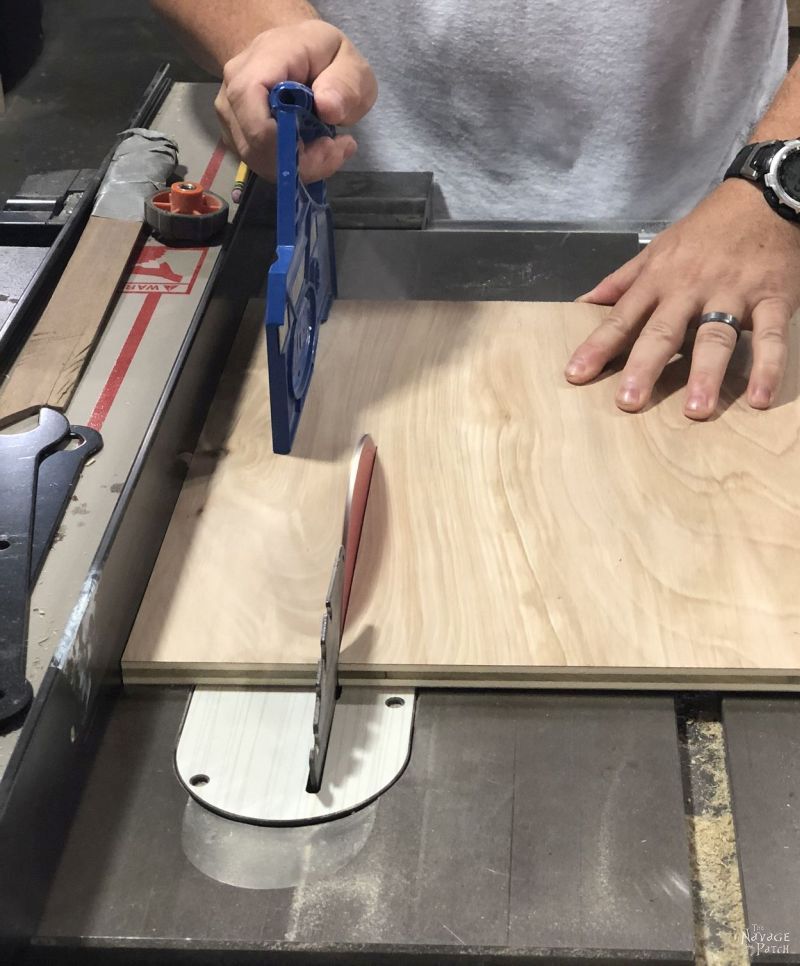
column 564, row 109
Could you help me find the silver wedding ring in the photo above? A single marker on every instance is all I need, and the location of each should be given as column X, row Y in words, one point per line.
column 725, row 318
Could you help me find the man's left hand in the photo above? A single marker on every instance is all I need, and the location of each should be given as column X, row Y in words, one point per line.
column 731, row 254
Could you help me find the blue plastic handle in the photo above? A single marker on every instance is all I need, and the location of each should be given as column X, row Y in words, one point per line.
column 301, row 284
column 293, row 98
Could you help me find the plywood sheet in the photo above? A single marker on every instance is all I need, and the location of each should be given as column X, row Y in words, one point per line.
column 519, row 530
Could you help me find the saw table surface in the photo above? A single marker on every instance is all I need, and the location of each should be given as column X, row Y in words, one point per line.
column 519, row 530
column 527, row 827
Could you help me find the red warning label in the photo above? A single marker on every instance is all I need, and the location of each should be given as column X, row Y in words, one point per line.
column 168, row 271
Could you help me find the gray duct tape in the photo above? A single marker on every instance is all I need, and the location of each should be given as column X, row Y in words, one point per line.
column 140, row 166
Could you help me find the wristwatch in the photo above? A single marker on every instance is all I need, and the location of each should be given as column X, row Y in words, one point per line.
column 774, row 166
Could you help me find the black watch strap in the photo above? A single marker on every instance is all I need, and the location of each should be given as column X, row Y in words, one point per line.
column 752, row 162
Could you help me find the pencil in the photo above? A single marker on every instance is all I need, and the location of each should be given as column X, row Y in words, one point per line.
column 238, row 185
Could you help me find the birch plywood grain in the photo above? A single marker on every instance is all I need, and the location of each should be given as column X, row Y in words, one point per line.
column 519, row 530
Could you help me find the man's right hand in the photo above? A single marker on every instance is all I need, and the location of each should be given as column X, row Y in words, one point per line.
column 314, row 53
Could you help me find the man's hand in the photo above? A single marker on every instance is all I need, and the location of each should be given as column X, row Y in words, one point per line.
column 731, row 254
column 314, row 53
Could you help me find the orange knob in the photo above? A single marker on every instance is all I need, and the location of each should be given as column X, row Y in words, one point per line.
column 186, row 198
column 186, row 212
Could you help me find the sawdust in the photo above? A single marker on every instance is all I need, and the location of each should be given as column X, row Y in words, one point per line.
column 719, row 918
column 721, row 928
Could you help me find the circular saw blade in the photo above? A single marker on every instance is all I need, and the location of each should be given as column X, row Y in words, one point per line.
column 327, row 684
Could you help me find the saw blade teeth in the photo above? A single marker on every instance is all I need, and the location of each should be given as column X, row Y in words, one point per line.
column 323, row 640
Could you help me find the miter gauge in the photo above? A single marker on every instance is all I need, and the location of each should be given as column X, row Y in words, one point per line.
column 302, row 280
column 336, row 603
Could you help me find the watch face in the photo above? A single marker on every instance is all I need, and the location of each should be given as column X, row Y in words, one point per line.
column 789, row 175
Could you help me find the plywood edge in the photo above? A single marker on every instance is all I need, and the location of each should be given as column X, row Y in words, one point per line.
column 209, row 674
column 499, row 678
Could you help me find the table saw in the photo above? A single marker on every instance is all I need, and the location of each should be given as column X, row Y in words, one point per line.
column 525, row 826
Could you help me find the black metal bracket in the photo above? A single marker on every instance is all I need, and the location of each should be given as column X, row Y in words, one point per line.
column 37, row 480
column 20, row 456
column 58, row 476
